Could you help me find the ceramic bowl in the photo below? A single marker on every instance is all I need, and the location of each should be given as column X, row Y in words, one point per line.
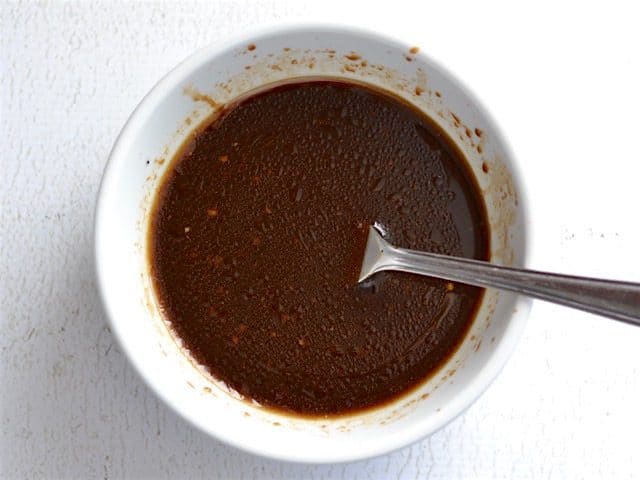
column 143, row 151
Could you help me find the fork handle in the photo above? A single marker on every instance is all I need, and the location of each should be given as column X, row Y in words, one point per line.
column 610, row 298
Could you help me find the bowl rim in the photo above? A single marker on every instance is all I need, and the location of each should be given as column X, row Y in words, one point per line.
column 474, row 388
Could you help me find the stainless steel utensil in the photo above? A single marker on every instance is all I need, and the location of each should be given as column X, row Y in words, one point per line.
column 610, row 298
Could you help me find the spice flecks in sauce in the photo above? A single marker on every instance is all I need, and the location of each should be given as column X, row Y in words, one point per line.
column 263, row 295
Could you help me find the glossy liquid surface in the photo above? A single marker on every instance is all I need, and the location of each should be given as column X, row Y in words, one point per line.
column 259, row 231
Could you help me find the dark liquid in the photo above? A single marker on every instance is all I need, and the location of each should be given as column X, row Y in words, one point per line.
column 259, row 232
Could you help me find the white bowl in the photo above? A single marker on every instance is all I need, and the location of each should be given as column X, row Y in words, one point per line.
column 162, row 121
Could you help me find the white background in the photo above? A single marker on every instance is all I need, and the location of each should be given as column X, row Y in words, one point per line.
column 563, row 81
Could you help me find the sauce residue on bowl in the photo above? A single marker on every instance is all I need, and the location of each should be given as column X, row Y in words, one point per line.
column 257, row 236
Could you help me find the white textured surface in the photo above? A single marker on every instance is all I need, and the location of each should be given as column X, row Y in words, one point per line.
column 562, row 81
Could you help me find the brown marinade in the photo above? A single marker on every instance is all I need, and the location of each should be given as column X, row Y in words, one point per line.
column 258, row 233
